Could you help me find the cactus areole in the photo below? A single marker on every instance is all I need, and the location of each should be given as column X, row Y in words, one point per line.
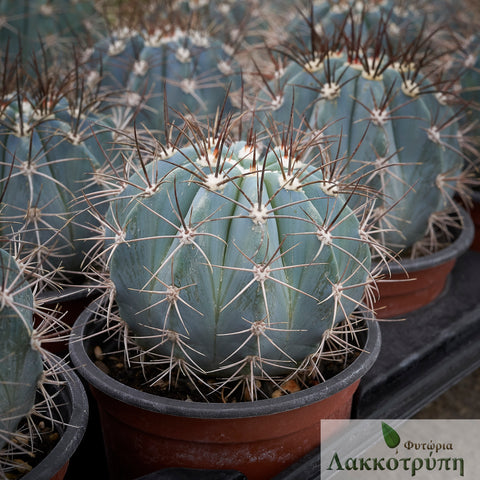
column 235, row 262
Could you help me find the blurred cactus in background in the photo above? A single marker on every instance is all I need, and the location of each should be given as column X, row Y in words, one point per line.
column 28, row 26
column 405, row 18
column 165, row 59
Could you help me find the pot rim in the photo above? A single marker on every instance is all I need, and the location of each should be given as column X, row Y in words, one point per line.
column 74, row 398
column 168, row 406
column 459, row 246
column 66, row 294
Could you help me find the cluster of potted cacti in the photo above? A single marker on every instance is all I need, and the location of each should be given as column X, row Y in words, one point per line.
column 237, row 183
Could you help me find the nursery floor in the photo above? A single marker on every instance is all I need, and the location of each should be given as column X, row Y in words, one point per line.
column 462, row 401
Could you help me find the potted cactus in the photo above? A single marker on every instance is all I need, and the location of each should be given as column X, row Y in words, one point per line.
column 399, row 137
column 42, row 402
column 50, row 156
column 237, row 269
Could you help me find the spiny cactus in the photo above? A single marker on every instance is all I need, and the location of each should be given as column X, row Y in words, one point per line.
column 461, row 66
column 27, row 370
column 169, row 61
column 325, row 16
column 246, row 21
column 398, row 135
column 50, row 154
column 21, row 362
column 235, row 259
column 468, row 60
column 27, row 24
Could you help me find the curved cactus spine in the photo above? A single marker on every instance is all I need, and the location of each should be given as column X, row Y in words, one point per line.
column 235, row 259
column 397, row 134
column 21, row 364
column 50, row 154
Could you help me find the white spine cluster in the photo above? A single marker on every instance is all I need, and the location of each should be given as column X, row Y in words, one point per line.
column 259, row 214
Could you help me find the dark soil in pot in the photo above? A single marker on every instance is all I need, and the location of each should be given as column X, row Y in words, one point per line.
column 113, row 364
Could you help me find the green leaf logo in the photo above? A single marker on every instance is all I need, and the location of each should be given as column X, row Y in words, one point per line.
column 391, row 437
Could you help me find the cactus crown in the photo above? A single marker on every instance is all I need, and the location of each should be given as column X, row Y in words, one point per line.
column 236, row 259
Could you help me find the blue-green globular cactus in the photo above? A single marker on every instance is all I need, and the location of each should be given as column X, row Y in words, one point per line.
column 50, row 155
column 463, row 69
column 235, row 260
column 25, row 24
column 398, row 136
column 403, row 20
column 187, row 69
column 247, row 21
column 21, row 364
column 469, row 62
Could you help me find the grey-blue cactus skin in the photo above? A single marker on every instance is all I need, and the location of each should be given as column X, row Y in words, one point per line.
column 20, row 363
column 46, row 167
column 187, row 72
column 470, row 79
column 244, row 21
column 417, row 163
column 24, row 24
column 403, row 20
column 221, row 303
column 466, row 63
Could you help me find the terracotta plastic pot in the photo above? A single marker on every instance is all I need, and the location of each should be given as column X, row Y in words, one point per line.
column 144, row 433
column 414, row 283
column 72, row 410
